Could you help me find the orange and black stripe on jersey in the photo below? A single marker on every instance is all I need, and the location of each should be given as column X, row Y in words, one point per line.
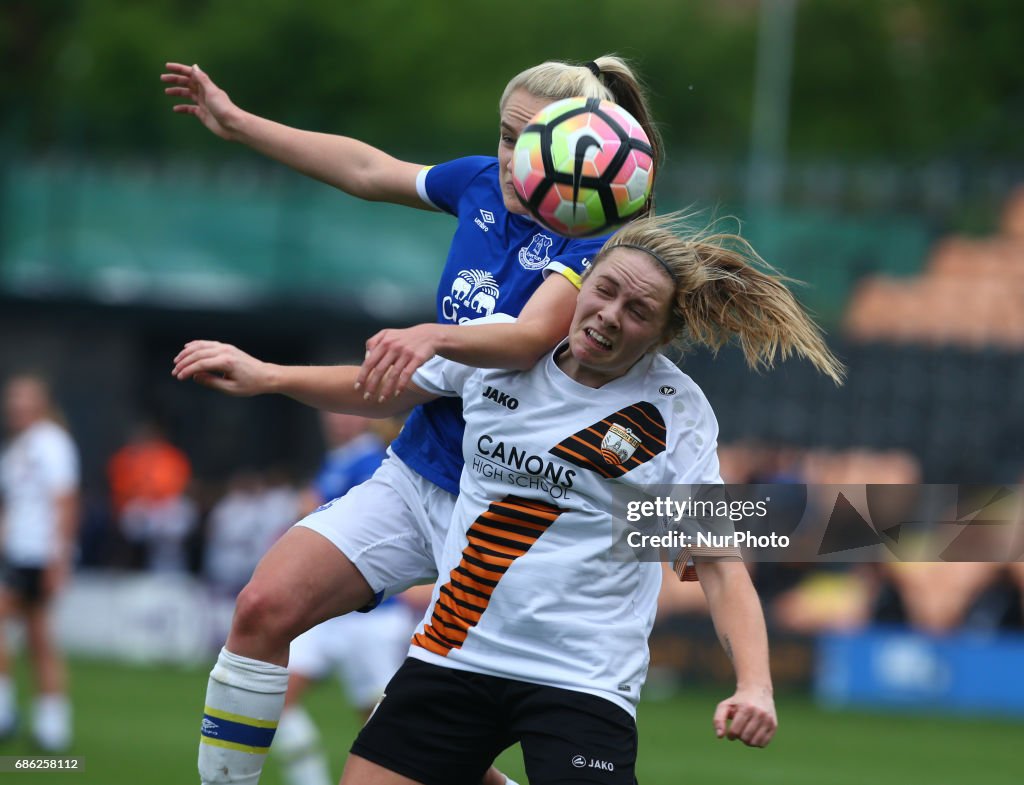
column 497, row 538
column 642, row 423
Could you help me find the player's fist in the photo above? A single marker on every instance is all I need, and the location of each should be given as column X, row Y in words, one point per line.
column 749, row 715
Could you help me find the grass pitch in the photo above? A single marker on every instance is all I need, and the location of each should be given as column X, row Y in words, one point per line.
column 141, row 725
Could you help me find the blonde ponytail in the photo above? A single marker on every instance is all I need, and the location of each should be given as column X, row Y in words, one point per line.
column 609, row 78
column 726, row 292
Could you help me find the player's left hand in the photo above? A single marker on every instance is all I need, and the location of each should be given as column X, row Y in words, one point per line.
column 392, row 356
column 749, row 715
column 223, row 367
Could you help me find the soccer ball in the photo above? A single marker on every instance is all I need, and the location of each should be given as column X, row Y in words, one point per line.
column 582, row 166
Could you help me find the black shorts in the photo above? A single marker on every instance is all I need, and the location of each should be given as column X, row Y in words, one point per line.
column 25, row 583
column 441, row 726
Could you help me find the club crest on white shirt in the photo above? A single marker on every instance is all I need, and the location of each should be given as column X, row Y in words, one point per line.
column 619, row 444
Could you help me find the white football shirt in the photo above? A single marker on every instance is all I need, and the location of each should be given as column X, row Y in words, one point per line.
column 37, row 466
column 529, row 589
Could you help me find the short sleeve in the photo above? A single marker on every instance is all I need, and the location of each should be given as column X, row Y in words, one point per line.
column 440, row 376
column 573, row 260
column 442, row 186
column 446, row 377
column 693, row 463
column 693, row 448
column 60, row 462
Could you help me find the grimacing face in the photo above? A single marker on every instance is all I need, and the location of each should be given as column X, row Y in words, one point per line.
column 621, row 314
column 519, row 108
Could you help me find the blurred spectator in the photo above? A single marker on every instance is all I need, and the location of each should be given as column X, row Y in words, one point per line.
column 809, row 598
column 940, row 597
column 148, row 479
column 242, row 526
column 354, row 451
column 162, row 529
column 364, row 650
column 1012, row 224
column 39, row 479
column 974, row 586
column 148, row 468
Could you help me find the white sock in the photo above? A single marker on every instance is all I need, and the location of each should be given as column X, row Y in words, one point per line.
column 51, row 722
column 244, row 699
column 7, row 703
column 297, row 746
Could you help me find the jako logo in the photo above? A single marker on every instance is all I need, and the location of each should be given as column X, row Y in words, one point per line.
column 504, row 399
column 581, row 763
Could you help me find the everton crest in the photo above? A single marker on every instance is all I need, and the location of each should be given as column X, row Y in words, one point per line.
column 535, row 255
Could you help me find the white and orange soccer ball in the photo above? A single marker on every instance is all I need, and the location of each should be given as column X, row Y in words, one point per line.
column 582, row 166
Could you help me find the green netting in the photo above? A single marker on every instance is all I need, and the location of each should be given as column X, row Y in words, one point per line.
column 235, row 235
column 829, row 253
column 132, row 235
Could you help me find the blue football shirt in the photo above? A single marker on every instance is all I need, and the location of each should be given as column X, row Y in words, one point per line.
column 347, row 466
column 496, row 261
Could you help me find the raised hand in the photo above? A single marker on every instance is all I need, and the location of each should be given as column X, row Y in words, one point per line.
column 392, row 356
column 210, row 104
column 749, row 715
column 223, row 367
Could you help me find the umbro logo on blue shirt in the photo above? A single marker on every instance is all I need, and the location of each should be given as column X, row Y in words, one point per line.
column 486, row 217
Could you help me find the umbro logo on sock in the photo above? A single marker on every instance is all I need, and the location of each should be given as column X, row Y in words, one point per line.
column 209, row 727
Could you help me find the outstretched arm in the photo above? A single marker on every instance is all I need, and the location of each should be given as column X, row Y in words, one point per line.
column 354, row 167
column 227, row 368
column 749, row 715
column 392, row 356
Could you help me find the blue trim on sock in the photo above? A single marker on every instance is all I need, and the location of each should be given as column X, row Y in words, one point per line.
column 236, row 732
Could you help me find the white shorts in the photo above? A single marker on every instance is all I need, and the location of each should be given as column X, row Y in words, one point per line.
column 363, row 649
column 392, row 527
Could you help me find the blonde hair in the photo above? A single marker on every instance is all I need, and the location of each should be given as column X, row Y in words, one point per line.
column 615, row 82
column 723, row 294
